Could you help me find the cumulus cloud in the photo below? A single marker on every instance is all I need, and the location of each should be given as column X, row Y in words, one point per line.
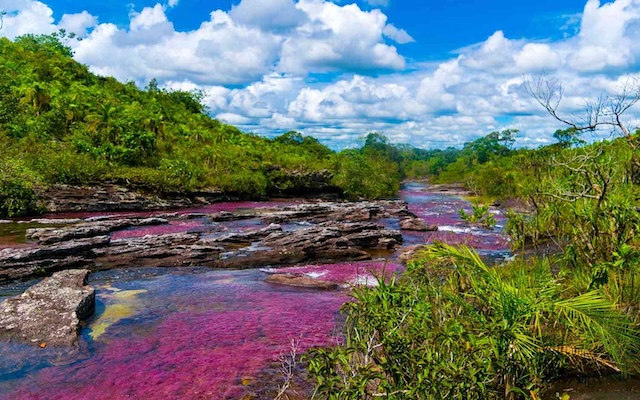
column 26, row 16
column 219, row 52
column 604, row 39
column 239, row 46
column 338, row 38
column 147, row 18
column 78, row 23
column 268, row 14
column 398, row 35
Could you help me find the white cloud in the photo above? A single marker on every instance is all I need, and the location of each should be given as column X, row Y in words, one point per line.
column 604, row 40
column 338, row 38
column 267, row 14
column 535, row 57
column 78, row 23
column 398, row 35
column 148, row 17
column 26, row 16
column 219, row 52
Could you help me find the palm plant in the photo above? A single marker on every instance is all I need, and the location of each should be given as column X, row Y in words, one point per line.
column 454, row 328
column 538, row 323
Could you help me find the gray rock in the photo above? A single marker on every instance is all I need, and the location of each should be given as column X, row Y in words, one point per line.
column 24, row 262
column 245, row 237
column 303, row 281
column 329, row 241
column 109, row 197
column 329, row 211
column 50, row 311
column 88, row 229
column 413, row 223
column 55, row 221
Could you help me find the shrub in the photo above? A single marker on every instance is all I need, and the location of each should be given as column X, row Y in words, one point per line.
column 453, row 328
column 17, row 197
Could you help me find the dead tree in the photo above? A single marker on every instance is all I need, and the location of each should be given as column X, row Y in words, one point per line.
column 604, row 112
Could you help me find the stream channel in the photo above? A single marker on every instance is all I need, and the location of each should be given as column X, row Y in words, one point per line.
column 198, row 333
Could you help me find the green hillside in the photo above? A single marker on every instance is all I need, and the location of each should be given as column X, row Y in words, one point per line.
column 60, row 123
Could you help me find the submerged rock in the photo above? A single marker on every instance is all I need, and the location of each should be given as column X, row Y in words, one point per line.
column 300, row 281
column 49, row 312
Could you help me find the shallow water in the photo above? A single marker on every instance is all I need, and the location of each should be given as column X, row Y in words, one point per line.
column 193, row 333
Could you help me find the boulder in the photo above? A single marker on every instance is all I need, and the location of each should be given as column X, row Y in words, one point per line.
column 409, row 252
column 246, row 237
column 174, row 249
column 332, row 211
column 413, row 223
column 326, row 242
column 49, row 312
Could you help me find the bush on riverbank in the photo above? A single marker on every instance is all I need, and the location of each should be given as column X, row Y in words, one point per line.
column 16, row 193
column 473, row 332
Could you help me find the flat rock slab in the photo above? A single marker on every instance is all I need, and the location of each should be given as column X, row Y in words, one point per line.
column 300, row 281
column 21, row 263
column 50, row 311
column 88, row 229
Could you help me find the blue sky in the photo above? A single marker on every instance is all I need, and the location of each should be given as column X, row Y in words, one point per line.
column 430, row 73
column 438, row 27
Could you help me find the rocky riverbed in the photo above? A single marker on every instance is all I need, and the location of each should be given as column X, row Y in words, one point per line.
column 306, row 232
column 203, row 302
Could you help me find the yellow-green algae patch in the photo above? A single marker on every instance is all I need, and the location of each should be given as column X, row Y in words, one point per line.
column 121, row 304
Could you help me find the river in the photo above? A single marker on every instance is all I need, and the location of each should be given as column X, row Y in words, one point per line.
column 197, row 333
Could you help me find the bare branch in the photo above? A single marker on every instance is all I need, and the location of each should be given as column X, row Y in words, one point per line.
column 288, row 362
column 605, row 111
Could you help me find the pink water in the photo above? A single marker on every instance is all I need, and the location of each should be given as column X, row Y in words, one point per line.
column 193, row 333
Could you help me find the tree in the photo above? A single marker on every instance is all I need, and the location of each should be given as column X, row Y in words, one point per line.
column 568, row 137
column 494, row 144
column 56, row 42
column 606, row 111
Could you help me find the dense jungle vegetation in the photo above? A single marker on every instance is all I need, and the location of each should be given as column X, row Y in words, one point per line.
column 61, row 124
column 452, row 327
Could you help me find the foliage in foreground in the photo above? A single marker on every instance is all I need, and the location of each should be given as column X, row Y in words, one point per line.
column 453, row 328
